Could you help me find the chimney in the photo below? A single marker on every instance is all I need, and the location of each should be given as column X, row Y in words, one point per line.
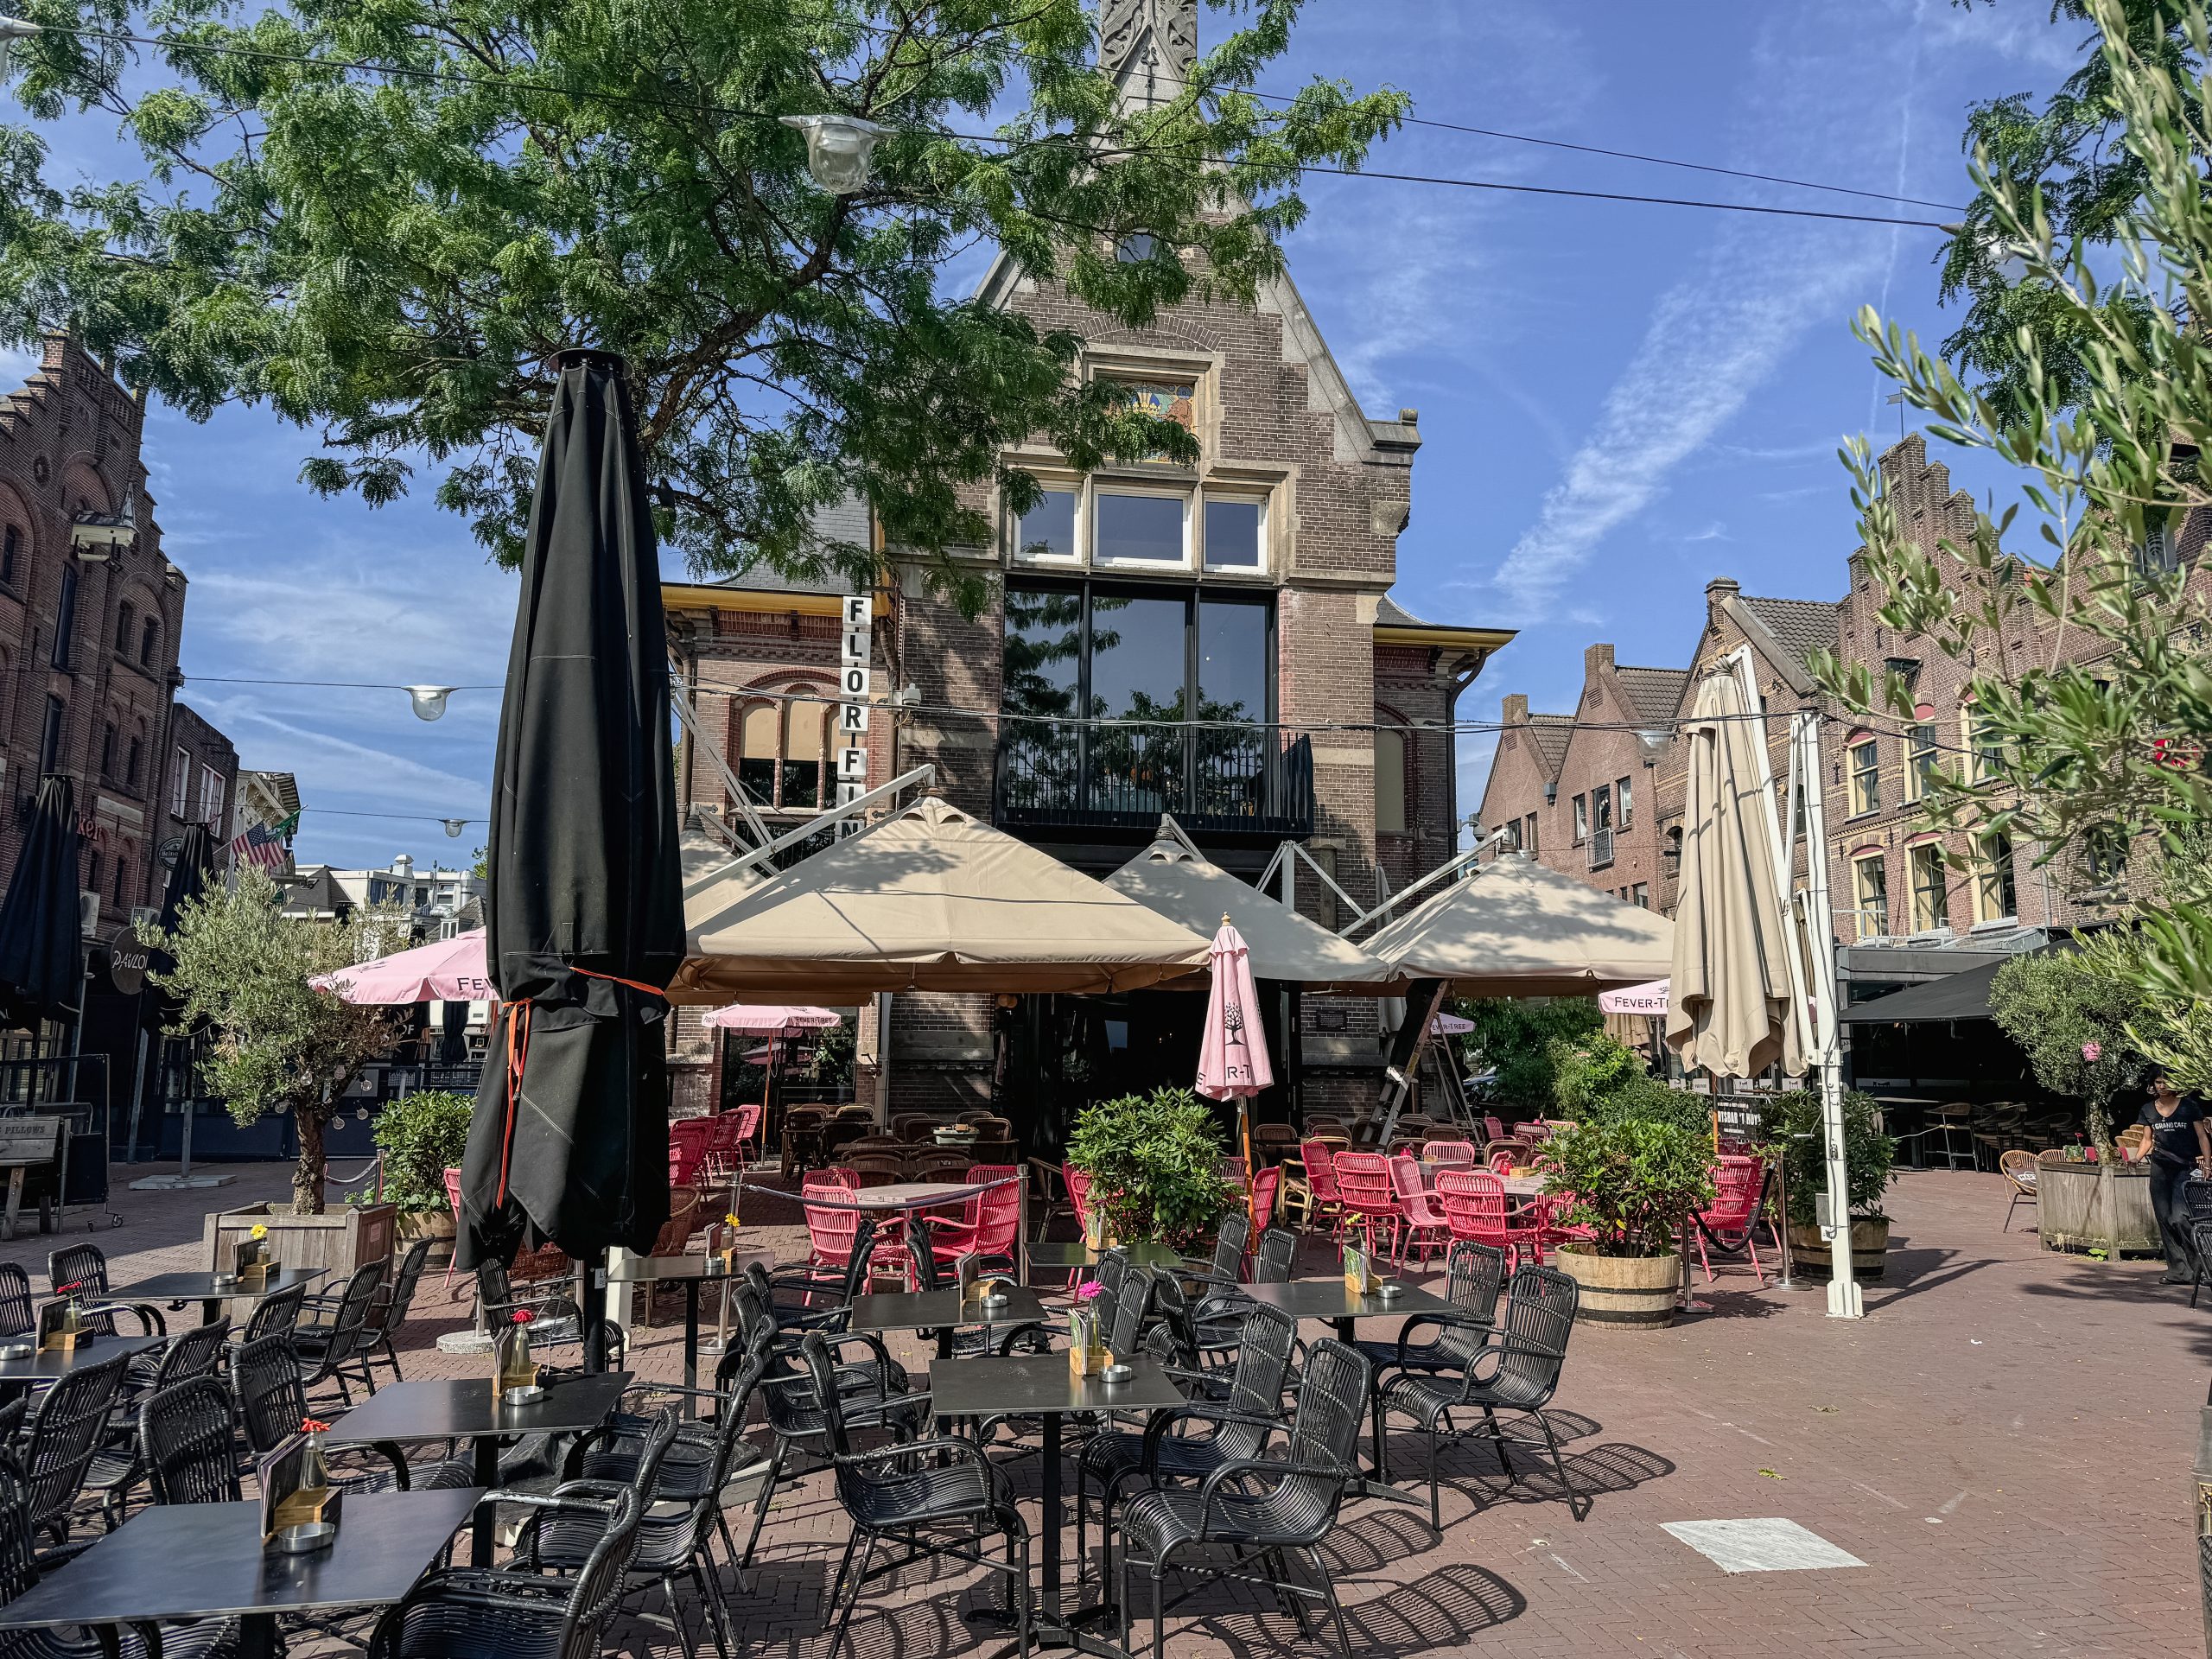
column 1719, row 592
column 1516, row 710
column 1593, row 658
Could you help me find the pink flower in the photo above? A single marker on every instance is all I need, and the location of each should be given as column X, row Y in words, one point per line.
column 1088, row 1291
column 2092, row 1052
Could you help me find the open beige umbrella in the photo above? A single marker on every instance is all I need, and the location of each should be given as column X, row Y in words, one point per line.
column 1282, row 944
column 928, row 900
column 1516, row 929
column 1730, row 1008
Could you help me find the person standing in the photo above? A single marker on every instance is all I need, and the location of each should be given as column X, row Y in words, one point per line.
column 2180, row 1141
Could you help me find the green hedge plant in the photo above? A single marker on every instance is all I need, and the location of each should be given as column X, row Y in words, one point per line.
column 1791, row 1123
column 422, row 1136
column 1155, row 1163
column 1635, row 1182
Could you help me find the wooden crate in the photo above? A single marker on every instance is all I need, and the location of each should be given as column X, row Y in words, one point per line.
column 345, row 1237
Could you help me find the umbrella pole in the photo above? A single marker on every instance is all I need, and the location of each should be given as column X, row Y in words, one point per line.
column 592, row 1305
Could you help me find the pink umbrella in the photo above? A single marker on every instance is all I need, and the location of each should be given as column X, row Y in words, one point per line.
column 771, row 1020
column 1233, row 1059
column 444, row 970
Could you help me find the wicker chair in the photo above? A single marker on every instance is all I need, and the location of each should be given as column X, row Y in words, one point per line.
column 1259, row 1506
column 1473, row 1278
column 120, row 1463
column 337, row 1340
column 17, row 1318
column 61, row 1438
column 272, row 1404
column 1278, row 1255
column 1517, row 1370
column 893, row 1493
column 479, row 1613
column 2019, row 1169
column 274, row 1313
column 186, row 1432
column 390, row 1309
column 85, row 1266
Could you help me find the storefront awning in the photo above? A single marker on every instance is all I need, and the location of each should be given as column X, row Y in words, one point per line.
column 1962, row 995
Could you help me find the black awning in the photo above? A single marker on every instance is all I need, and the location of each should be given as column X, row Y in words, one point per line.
column 1962, row 995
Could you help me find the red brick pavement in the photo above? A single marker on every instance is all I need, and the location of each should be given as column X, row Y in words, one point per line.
column 2005, row 1441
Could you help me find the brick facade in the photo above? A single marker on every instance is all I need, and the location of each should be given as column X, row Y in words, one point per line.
column 69, row 452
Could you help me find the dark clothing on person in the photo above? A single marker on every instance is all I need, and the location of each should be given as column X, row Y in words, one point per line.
column 2174, row 1152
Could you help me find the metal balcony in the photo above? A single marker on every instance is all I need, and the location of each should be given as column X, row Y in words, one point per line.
column 1217, row 779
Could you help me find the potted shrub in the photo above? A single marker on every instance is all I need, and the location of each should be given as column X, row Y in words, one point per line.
column 1155, row 1163
column 420, row 1137
column 1791, row 1123
column 1634, row 1179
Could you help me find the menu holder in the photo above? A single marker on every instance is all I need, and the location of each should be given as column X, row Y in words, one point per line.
column 1086, row 1356
column 60, row 1331
column 721, row 1246
column 286, row 1500
column 1360, row 1277
column 250, row 1263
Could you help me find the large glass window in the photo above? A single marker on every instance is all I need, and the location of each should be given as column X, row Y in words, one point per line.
column 1140, row 528
column 1139, row 655
column 1931, row 906
column 1233, row 662
column 1043, row 661
column 1047, row 530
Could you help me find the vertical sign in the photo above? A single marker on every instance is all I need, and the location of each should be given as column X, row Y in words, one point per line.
column 853, row 687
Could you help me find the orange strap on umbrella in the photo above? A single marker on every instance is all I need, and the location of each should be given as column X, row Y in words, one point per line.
column 519, row 1056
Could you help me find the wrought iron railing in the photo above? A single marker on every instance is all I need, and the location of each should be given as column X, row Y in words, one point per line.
column 1072, row 774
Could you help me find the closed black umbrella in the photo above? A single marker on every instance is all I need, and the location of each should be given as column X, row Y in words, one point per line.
column 42, row 960
column 194, row 868
column 583, row 911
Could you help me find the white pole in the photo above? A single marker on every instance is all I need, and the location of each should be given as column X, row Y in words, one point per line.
column 1845, row 1298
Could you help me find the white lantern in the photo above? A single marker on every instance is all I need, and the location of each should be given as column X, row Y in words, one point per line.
column 838, row 148
column 430, row 700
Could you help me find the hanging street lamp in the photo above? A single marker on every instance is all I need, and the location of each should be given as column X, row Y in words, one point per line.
column 838, row 149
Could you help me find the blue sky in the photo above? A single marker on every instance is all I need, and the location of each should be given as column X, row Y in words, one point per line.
column 1618, row 401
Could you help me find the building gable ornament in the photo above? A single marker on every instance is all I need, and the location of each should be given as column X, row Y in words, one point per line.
column 1156, row 37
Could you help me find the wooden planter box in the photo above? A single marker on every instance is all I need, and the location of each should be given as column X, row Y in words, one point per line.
column 349, row 1237
column 2066, row 1210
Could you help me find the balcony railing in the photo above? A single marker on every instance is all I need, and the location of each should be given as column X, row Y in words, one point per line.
column 1075, row 774
column 1601, row 848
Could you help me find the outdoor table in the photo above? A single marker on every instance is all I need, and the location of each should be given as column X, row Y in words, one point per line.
column 1523, row 1186
column 178, row 1288
column 1074, row 1255
column 205, row 1561
column 51, row 1365
column 466, row 1409
column 1040, row 1385
column 945, row 1309
column 690, row 1271
column 905, row 1197
column 1335, row 1301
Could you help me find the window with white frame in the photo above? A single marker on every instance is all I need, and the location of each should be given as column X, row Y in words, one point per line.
column 211, row 796
column 181, row 784
column 1236, row 533
column 1140, row 527
column 1870, row 876
column 1865, row 777
column 1047, row 530
column 1136, row 524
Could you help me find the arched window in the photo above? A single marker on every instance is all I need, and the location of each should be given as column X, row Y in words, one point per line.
column 759, row 737
column 806, row 742
column 125, row 634
column 1389, row 781
column 149, row 641
column 133, row 760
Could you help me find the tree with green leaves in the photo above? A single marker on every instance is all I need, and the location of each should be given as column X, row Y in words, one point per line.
column 2087, row 634
column 275, row 1043
column 382, row 221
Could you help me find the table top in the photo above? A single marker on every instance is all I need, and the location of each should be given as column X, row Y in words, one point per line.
column 639, row 1268
column 201, row 1287
column 461, row 1407
column 909, row 1195
column 915, row 1310
column 1038, row 1384
column 1331, row 1298
column 1074, row 1253
column 48, row 1365
column 206, row 1560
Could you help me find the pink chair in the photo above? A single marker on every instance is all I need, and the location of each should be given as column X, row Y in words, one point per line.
column 747, row 1132
column 1079, row 1185
column 1739, row 1186
column 838, row 1175
column 1265, row 1186
column 1426, row 1227
column 452, row 1199
column 989, row 1222
column 689, row 1141
column 1365, row 1188
column 1501, row 1163
column 830, row 1229
column 1474, row 1208
column 1493, row 1129
column 1457, row 1152
column 1320, row 1161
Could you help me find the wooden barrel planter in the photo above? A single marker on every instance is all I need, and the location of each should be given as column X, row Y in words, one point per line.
column 2068, row 1214
column 1624, row 1293
column 1812, row 1256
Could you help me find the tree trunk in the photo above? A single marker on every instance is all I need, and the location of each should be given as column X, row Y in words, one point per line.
column 306, row 1177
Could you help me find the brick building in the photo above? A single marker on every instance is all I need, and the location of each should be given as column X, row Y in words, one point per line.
column 90, row 616
column 1215, row 641
column 1906, row 897
column 201, row 785
column 1576, row 792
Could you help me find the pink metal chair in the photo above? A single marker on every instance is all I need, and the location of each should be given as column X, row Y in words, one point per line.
column 1730, row 1223
column 1474, row 1208
column 1265, row 1186
column 1320, row 1161
column 1365, row 1188
column 1426, row 1228
column 1459, row 1153
column 452, row 1199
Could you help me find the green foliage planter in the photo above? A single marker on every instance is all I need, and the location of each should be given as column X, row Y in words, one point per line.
column 420, row 1137
column 1635, row 1181
column 1155, row 1165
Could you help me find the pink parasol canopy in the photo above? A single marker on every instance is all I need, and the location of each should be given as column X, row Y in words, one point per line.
column 771, row 1020
column 1648, row 998
column 1233, row 1059
column 444, row 970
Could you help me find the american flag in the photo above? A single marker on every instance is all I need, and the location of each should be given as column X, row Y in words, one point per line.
column 262, row 846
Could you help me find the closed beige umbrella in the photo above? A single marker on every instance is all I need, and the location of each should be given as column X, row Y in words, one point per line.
column 1515, row 928
column 928, row 900
column 1282, row 944
column 1730, row 1004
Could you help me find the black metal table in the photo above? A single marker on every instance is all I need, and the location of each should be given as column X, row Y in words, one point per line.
column 178, row 1288
column 920, row 1310
column 690, row 1271
column 466, row 1409
column 1040, row 1385
column 1072, row 1256
column 51, row 1365
column 206, row 1560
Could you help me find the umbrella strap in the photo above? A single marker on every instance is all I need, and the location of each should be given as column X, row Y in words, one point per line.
column 518, row 1055
column 617, row 979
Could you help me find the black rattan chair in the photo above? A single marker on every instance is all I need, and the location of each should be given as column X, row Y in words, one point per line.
column 390, row 1309
column 1278, row 1255
column 187, row 1433
column 17, row 1317
column 1029, row 1336
column 273, row 1403
column 1517, row 1370
column 120, row 1463
column 1237, row 1425
column 1259, row 1508
column 60, row 1437
column 85, row 1266
column 279, row 1311
column 335, row 1338
column 898, row 1493
column 1473, row 1278
column 481, row 1613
